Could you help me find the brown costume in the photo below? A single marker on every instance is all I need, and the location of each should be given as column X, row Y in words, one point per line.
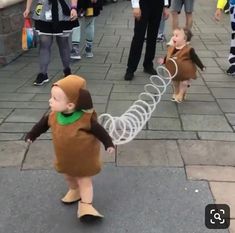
column 76, row 144
column 186, row 67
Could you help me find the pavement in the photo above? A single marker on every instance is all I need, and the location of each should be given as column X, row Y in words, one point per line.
column 160, row 182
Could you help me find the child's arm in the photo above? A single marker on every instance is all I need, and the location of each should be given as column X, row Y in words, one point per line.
column 73, row 12
column 220, row 7
column 38, row 129
column 28, row 7
column 101, row 134
column 196, row 59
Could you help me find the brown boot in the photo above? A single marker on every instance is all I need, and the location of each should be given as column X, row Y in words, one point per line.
column 71, row 196
column 86, row 209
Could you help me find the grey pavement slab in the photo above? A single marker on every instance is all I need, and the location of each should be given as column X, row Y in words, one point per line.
column 205, row 123
column 12, row 153
column 211, row 173
column 11, row 136
column 147, row 200
column 207, row 108
column 231, row 118
column 223, row 92
column 26, row 115
column 159, row 123
column 207, row 152
column 227, row 105
column 216, row 136
column 149, row 153
column 15, row 127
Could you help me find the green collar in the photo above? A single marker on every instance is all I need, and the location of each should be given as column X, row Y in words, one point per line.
column 66, row 120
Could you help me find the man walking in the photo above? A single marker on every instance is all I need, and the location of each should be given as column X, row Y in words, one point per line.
column 147, row 14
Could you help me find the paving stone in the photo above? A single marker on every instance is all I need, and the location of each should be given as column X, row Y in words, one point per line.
column 231, row 118
column 5, row 112
column 113, row 57
column 227, row 105
column 40, row 97
column 10, row 136
column 223, row 92
column 117, row 108
column 100, row 69
column 109, row 41
column 223, row 192
column 217, row 78
column 205, row 123
column 198, row 89
column 15, row 97
column 199, row 97
column 209, row 62
column 199, row 108
column 165, row 109
column 220, row 84
column 9, row 88
column 100, row 89
column 158, row 134
column 149, row 153
column 211, row 173
column 216, row 136
column 212, row 70
column 15, row 127
column 12, row 153
column 12, row 105
column 158, row 123
column 26, row 115
column 207, row 152
column 206, row 53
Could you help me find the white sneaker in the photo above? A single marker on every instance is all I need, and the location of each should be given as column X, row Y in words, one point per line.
column 75, row 54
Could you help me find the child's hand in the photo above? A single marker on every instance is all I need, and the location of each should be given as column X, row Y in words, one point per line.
column 160, row 60
column 217, row 15
column 26, row 13
column 73, row 14
column 204, row 68
column 110, row 150
column 29, row 141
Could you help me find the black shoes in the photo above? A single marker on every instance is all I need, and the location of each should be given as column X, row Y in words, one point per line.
column 129, row 76
column 231, row 70
column 67, row 71
column 41, row 79
column 150, row 70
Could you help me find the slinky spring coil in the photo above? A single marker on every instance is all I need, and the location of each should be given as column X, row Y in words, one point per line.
column 124, row 128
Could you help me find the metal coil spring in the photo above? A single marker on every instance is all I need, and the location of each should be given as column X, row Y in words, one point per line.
column 124, row 128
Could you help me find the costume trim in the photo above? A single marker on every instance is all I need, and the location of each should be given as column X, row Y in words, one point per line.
column 66, row 120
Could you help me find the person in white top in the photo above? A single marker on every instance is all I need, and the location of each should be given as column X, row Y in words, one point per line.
column 147, row 14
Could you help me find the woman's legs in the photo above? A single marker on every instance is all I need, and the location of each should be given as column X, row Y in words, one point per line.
column 76, row 38
column 90, row 31
column 45, row 43
column 63, row 44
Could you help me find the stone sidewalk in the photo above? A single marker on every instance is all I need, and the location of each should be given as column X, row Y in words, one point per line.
column 184, row 147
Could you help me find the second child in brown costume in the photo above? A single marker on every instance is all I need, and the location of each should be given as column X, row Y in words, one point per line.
column 75, row 135
column 186, row 59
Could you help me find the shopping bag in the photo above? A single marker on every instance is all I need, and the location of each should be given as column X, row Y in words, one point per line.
column 28, row 35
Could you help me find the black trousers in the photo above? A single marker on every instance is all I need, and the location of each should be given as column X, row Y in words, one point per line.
column 151, row 13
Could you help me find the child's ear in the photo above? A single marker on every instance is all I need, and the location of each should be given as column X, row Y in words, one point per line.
column 84, row 100
column 71, row 106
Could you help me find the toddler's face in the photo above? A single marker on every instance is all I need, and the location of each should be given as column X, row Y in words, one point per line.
column 58, row 101
column 178, row 38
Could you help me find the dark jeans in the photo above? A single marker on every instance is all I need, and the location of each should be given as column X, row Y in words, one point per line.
column 151, row 12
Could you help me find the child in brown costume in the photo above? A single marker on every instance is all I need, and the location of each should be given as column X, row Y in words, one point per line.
column 75, row 134
column 186, row 59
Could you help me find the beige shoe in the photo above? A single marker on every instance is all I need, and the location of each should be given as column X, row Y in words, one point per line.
column 71, row 196
column 86, row 209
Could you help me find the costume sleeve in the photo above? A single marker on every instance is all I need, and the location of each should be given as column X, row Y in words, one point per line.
column 38, row 129
column 101, row 134
column 196, row 59
column 221, row 4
